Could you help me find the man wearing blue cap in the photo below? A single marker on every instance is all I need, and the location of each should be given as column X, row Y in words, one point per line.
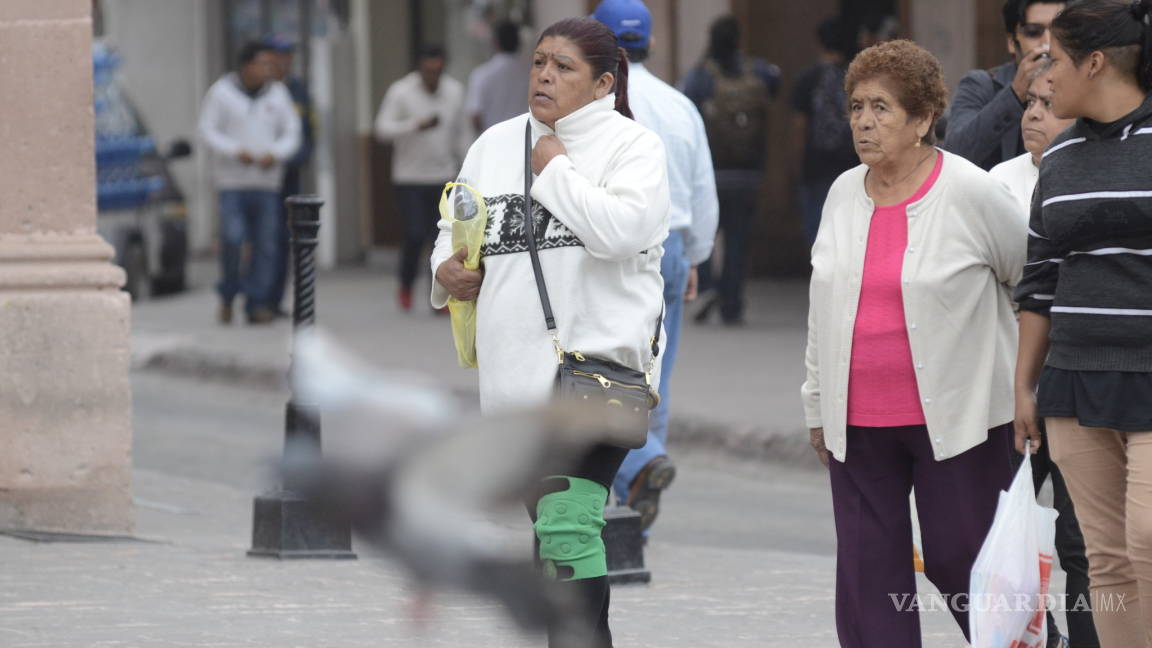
column 283, row 49
column 695, row 211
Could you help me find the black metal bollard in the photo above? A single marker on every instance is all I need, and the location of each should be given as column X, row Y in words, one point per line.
column 285, row 525
column 624, row 540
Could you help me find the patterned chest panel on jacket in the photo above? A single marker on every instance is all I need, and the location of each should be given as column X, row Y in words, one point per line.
column 505, row 233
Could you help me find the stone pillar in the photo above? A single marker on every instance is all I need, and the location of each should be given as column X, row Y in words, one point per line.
column 65, row 402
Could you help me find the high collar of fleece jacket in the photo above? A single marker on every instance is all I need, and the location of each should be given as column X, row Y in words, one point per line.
column 580, row 123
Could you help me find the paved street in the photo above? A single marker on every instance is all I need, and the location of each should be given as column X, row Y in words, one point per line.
column 742, row 554
column 741, row 557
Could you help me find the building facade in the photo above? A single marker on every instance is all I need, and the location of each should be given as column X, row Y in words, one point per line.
column 349, row 51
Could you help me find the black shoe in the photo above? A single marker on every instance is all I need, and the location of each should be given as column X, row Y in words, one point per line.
column 644, row 494
column 224, row 313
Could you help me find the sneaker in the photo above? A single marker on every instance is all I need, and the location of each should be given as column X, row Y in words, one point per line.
column 644, row 494
column 405, row 299
column 1058, row 642
column 224, row 313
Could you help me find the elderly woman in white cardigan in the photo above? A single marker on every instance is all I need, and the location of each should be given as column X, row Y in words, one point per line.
column 911, row 339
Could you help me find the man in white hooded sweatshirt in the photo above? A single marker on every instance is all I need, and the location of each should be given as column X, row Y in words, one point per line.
column 249, row 123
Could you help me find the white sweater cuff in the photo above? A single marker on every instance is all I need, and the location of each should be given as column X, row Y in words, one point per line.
column 440, row 294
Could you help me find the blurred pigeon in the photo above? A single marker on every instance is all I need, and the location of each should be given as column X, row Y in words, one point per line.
column 422, row 494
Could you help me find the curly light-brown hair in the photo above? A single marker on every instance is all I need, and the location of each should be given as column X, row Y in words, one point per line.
column 910, row 72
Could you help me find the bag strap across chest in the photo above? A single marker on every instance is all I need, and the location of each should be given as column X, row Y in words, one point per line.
column 530, row 234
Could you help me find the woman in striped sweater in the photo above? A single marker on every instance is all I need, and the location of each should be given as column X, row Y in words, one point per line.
column 1086, row 303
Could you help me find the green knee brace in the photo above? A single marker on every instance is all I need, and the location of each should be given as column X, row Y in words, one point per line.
column 568, row 524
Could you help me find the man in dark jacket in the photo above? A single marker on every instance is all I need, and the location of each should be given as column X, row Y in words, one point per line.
column 984, row 120
column 733, row 93
column 294, row 169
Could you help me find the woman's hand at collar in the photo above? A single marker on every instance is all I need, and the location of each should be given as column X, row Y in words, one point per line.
column 460, row 282
column 547, row 147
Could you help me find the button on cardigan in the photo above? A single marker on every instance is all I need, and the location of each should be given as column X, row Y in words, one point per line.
column 966, row 249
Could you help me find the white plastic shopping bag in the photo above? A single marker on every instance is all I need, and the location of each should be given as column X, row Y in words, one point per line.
column 1009, row 586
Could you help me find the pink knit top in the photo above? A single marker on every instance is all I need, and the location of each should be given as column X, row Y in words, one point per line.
column 882, row 389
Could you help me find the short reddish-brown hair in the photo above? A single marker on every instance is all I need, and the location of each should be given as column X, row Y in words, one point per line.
column 910, row 72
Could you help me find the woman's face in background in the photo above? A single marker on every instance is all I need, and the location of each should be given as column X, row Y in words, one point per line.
column 561, row 81
column 1039, row 126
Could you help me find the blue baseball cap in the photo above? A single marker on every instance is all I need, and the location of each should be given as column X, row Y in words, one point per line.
column 626, row 18
column 278, row 43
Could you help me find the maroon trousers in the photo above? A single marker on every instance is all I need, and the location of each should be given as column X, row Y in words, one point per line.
column 955, row 501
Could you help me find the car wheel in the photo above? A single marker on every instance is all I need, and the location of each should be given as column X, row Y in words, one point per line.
column 170, row 276
column 136, row 268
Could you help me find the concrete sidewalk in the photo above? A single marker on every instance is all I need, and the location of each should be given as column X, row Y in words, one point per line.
column 735, row 388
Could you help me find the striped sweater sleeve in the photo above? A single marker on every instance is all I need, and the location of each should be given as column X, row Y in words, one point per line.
column 1037, row 288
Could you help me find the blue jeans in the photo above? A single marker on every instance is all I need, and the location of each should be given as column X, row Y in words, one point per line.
column 674, row 268
column 249, row 216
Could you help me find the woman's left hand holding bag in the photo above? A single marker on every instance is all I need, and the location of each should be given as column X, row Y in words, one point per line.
column 460, row 282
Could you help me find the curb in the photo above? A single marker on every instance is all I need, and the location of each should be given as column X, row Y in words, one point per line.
column 748, row 442
column 206, row 365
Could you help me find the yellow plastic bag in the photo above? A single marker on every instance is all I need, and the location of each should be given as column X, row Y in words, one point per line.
column 468, row 214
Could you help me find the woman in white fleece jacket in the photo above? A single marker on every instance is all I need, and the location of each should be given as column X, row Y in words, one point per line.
column 600, row 210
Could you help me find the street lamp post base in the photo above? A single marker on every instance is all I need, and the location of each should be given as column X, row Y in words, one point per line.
column 288, row 527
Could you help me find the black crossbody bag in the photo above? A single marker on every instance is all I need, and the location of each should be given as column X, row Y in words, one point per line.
column 625, row 393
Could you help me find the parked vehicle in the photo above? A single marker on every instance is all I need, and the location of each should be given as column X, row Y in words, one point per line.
column 142, row 211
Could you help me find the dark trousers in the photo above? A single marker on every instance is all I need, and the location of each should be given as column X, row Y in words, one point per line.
column 587, row 625
column 1069, row 550
column 737, row 191
column 955, row 501
column 420, row 211
column 813, row 193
